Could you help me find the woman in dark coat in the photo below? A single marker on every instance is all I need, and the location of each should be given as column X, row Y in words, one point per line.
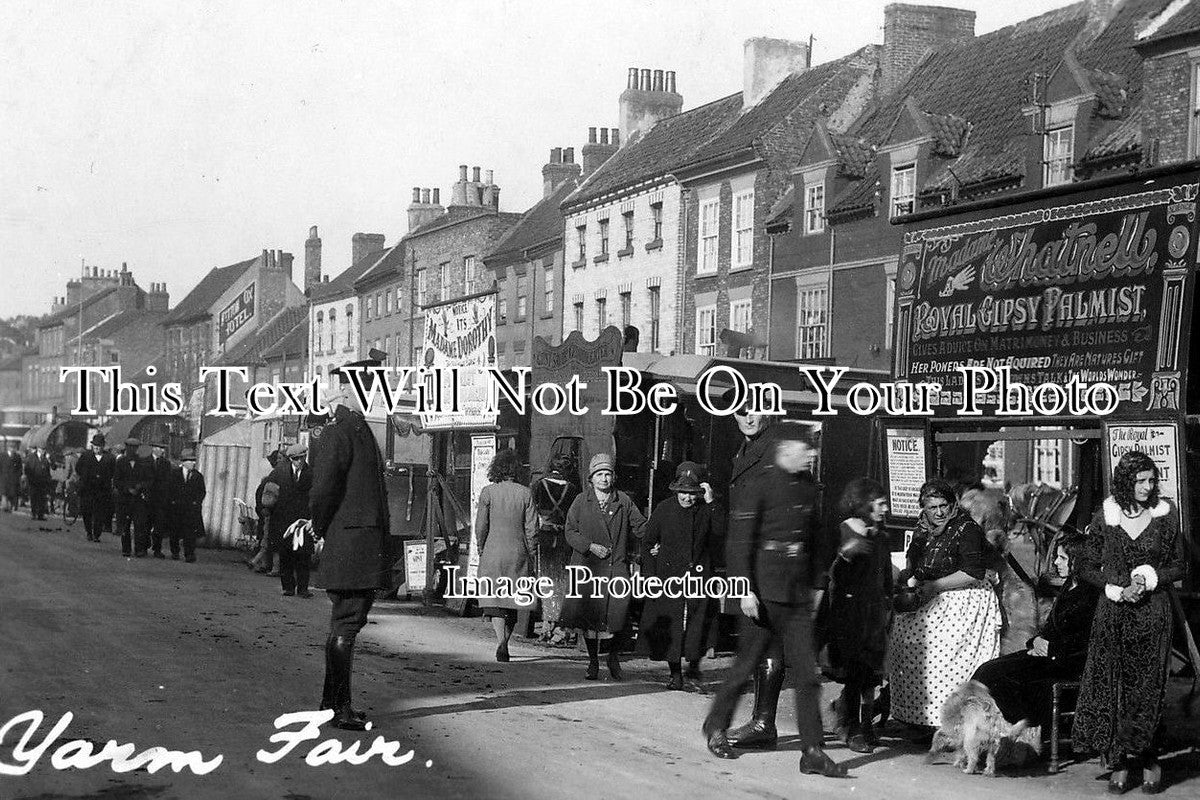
column 506, row 533
column 603, row 528
column 1022, row 682
column 683, row 536
column 12, row 479
column 1134, row 553
column 860, row 604
column 553, row 495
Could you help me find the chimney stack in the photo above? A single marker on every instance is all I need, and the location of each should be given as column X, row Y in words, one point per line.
column 425, row 207
column 312, row 258
column 911, row 32
column 362, row 244
column 646, row 100
column 766, row 62
column 596, row 152
column 560, row 168
column 286, row 261
column 157, row 298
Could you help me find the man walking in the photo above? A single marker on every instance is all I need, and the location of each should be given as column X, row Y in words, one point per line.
column 775, row 544
column 293, row 476
column 160, row 500
column 95, row 469
column 37, row 478
column 348, row 508
column 133, row 482
column 188, row 499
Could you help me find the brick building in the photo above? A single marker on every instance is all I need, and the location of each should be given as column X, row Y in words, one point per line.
column 527, row 266
column 333, row 306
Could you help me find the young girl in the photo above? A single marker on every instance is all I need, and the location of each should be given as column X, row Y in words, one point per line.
column 860, row 607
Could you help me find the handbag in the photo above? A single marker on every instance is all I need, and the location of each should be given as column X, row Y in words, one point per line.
column 907, row 600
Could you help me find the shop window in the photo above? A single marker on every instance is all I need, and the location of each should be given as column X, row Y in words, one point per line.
column 710, row 211
column 1058, row 152
column 706, row 331
column 812, row 321
column 743, row 229
column 814, row 208
column 740, row 315
column 655, row 317
column 904, row 190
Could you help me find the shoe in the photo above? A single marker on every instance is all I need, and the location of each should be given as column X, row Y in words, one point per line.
column 158, row 554
column 614, row 666
column 1152, row 777
column 717, row 744
column 127, row 554
column 288, row 593
column 349, row 720
column 174, row 556
column 676, row 683
column 858, row 743
column 593, row 670
column 815, row 761
column 867, row 715
column 692, row 673
column 142, row 554
column 502, row 654
column 1119, row 781
column 305, row 593
column 760, row 733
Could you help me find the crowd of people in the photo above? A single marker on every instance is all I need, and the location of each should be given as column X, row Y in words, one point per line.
column 901, row 642
column 133, row 491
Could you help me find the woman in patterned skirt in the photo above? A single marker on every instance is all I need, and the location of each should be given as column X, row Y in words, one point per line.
column 1134, row 553
column 957, row 626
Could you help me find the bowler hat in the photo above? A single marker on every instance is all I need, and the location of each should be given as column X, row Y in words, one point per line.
column 188, row 454
column 687, row 478
column 98, row 439
column 600, row 461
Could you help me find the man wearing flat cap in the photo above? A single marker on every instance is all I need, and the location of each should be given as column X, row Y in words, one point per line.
column 294, row 477
column 160, row 497
column 95, row 470
column 348, row 508
column 187, row 497
column 133, row 482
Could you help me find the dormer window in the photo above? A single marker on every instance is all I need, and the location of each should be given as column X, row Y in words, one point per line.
column 1058, row 153
column 814, row 208
column 904, row 190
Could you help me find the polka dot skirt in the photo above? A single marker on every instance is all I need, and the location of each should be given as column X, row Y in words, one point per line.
column 935, row 649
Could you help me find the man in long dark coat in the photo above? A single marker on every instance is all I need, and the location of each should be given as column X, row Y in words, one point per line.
column 10, row 478
column 37, row 478
column 160, row 498
column 348, row 508
column 294, row 477
column 133, row 482
column 775, row 544
column 187, row 510
column 95, row 469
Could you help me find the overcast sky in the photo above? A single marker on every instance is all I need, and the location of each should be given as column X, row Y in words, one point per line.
column 183, row 136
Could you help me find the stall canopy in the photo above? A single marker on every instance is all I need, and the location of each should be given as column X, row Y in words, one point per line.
column 148, row 428
column 57, row 435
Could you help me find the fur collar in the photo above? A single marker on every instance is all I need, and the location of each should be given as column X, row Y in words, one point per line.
column 1113, row 513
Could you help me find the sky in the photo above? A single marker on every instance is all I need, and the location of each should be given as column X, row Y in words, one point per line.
column 177, row 137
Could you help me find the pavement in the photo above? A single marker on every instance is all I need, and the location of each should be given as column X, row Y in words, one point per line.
column 206, row 657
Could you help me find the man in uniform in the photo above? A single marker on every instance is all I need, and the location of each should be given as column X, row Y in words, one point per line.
column 187, row 517
column 95, row 470
column 160, row 498
column 348, row 508
column 776, row 545
column 133, row 482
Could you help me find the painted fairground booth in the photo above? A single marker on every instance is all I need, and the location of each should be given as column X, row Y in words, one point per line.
column 1088, row 283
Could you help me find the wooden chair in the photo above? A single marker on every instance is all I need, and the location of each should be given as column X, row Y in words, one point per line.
column 1058, row 715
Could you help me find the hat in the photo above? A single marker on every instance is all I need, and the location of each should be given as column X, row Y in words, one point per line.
column 600, row 461
column 98, row 439
column 296, row 449
column 366, row 363
column 132, row 442
column 687, row 478
column 188, row 454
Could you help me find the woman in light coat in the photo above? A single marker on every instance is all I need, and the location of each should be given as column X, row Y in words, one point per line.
column 506, row 533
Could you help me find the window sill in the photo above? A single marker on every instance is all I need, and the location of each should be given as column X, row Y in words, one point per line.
column 625, row 253
column 580, row 263
column 600, row 258
column 502, row 321
column 701, row 275
column 548, row 315
column 654, row 244
column 737, row 270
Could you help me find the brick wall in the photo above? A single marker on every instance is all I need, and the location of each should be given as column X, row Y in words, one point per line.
column 1166, row 84
column 911, row 31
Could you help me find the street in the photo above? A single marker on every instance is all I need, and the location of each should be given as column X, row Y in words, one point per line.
column 204, row 657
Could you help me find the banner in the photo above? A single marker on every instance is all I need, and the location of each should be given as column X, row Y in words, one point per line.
column 461, row 334
column 1096, row 290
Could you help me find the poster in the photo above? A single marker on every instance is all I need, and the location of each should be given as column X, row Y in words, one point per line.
column 483, row 450
column 414, row 566
column 1160, row 442
column 906, row 470
column 462, row 334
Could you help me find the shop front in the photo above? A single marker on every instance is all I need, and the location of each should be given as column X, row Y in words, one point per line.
column 1056, row 290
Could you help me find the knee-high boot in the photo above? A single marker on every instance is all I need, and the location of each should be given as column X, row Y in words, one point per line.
column 339, row 662
column 759, row 732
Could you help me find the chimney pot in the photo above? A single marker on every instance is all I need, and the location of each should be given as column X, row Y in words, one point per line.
column 425, row 196
column 671, row 81
column 604, row 136
column 616, row 136
column 416, row 194
column 645, row 80
column 632, row 83
column 437, row 197
column 569, row 155
column 556, row 155
column 592, row 133
column 487, row 177
column 462, row 172
column 658, row 80
column 312, row 232
column 474, row 174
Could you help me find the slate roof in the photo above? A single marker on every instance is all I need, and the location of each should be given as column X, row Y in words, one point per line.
column 1185, row 20
column 779, row 218
column 198, row 303
column 250, row 350
column 854, row 155
column 294, row 342
column 72, row 308
column 542, row 223
column 389, row 264
column 115, row 322
column 344, row 282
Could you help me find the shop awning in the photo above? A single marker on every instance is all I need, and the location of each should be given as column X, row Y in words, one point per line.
column 62, row 434
column 143, row 426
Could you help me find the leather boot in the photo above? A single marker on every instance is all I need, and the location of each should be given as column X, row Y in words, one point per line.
column 759, row 733
column 339, row 655
column 868, row 723
column 855, row 736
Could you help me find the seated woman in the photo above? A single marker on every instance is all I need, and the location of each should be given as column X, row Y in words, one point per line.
column 955, row 625
column 1021, row 682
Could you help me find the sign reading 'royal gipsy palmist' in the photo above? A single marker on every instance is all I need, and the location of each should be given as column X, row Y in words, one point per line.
column 1094, row 290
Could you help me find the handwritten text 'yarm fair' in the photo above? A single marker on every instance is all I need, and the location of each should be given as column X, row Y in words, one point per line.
column 292, row 730
column 438, row 390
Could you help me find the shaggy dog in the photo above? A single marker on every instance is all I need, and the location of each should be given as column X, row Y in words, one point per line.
column 973, row 726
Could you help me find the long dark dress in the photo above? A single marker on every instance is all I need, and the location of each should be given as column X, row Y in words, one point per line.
column 690, row 542
column 1022, row 684
column 860, row 595
column 552, row 499
column 1125, row 680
